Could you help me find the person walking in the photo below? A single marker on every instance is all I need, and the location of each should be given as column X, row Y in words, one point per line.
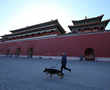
column 64, row 62
column 81, row 57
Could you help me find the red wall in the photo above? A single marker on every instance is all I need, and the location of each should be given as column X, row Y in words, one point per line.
column 73, row 45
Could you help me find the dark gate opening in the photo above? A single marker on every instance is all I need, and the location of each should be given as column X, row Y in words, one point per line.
column 7, row 52
column 18, row 51
column 89, row 54
column 30, row 52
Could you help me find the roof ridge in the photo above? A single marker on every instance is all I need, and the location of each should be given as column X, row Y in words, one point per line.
column 89, row 18
column 56, row 20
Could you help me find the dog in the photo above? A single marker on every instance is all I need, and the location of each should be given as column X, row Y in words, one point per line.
column 52, row 72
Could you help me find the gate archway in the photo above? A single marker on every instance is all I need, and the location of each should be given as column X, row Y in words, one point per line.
column 89, row 54
column 18, row 51
column 30, row 52
column 7, row 52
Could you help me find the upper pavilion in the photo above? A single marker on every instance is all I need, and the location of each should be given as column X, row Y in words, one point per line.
column 94, row 24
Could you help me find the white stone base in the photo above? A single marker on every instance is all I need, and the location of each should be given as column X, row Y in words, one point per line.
column 98, row 59
column 103, row 59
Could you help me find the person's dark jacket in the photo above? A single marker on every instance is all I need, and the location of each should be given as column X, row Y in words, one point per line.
column 64, row 60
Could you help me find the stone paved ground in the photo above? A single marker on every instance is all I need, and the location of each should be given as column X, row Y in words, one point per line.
column 26, row 74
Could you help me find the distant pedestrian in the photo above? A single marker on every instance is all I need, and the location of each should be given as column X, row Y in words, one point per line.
column 64, row 62
column 81, row 57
